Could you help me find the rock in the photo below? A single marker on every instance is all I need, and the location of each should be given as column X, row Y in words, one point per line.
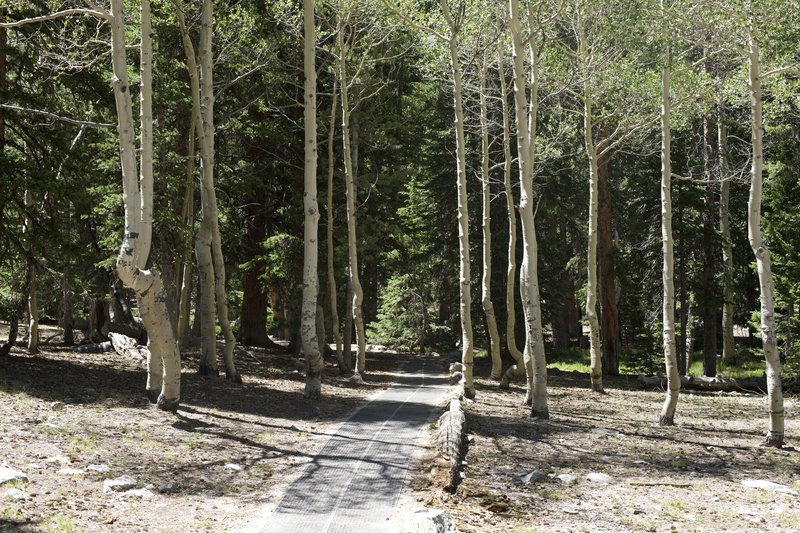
column 456, row 367
column 137, row 493
column 531, row 477
column 56, row 406
column 167, row 487
column 102, row 468
column 429, row 521
column 603, row 479
column 71, row 472
column 58, row 459
column 568, row 479
column 9, row 474
column 234, row 467
column 768, row 485
column 119, row 484
column 33, row 466
column 14, row 494
column 455, row 378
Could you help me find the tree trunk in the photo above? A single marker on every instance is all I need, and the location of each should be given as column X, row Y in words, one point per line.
column 728, row 341
column 334, row 310
column 138, row 201
column 667, row 417
column 608, row 286
column 769, row 338
column 308, row 322
column 32, row 304
column 591, row 260
column 709, row 304
column 683, row 356
column 187, row 217
column 486, row 282
column 352, row 243
column 535, row 363
column 517, row 370
column 465, row 293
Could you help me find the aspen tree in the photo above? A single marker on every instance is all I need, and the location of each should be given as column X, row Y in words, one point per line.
column 308, row 324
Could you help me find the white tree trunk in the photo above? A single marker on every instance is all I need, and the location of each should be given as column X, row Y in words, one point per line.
column 596, row 365
column 146, row 284
column 308, row 320
column 518, row 369
column 486, row 282
column 352, row 243
column 337, row 334
column 728, row 341
column 768, row 334
column 535, row 363
column 667, row 417
column 465, row 294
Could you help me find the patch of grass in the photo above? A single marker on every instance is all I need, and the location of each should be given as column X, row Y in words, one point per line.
column 553, row 495
column 88, row 443
column 265, row 437
column 60, row 524
column 571, row 359
column 481, row 354
column 12, row 512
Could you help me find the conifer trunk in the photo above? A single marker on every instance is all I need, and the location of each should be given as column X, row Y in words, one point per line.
column 728, row 341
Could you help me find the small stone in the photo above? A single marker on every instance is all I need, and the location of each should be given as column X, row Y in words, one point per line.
column 431, row 521
column 33, row 466
column 119, row 484
column 137, row 493
column 456, row 367
column 569, row 479
column 71, row 472
column 9, row 474
column 58, row 459
column 234, row 467
column 14, row 494
column 102, row 468
column 167, row 487
column 640, row 462
column 532, row 477
column 56, row 406
column 603, row 479
column 768, row 485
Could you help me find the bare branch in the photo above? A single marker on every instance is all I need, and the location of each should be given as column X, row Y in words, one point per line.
column 58, row 14
column 68, row 120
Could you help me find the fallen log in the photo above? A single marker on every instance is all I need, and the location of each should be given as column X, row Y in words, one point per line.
column 450, row 437
column 715, row 384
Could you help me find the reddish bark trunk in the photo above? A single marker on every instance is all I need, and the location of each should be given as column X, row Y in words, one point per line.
column 609, row 325
column 709, row 293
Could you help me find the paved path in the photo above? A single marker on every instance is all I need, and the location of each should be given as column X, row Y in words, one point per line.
column 354, row 482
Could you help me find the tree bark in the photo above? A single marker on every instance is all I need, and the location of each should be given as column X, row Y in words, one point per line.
column 350, row 179
column 308, row 322
column 334, row 310
column 137, row 198
column 709, row 294
column 728, row 341
column 486, row 282
column 518, row 369
column 32, row 304
column 608, row 286
column 667, row 416
column 535, row 363
column 465, row 292
column 769, row 338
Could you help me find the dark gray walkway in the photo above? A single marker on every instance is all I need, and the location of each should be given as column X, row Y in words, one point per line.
column 353, row 484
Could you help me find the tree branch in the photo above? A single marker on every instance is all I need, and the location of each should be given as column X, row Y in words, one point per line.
column 58, row 117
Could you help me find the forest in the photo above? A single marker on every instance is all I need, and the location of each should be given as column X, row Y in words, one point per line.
column 540, row 198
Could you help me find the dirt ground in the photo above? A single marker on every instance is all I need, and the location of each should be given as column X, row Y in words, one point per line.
column 231, row 450
column 224, row 458
column 685, row 478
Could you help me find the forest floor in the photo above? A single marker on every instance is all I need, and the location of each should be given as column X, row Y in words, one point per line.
column 231, row 451
column 228, row 454
column 684, row 478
